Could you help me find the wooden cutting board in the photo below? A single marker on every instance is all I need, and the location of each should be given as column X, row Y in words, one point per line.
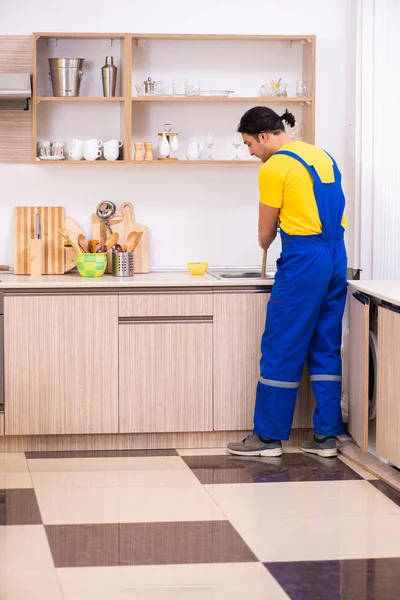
column 124, row 228
column 51, row 218
column 73, row 229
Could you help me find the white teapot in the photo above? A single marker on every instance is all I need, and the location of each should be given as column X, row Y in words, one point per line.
column 193, row 150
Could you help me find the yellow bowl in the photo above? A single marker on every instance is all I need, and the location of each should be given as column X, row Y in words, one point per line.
column 198, row 268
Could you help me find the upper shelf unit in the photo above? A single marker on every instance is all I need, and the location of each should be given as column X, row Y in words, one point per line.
column 240, row 64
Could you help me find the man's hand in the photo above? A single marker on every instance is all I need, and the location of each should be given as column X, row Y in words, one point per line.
column 267, row 225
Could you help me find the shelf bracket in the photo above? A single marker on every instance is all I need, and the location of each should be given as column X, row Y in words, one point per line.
column 140, row 43
column 108, row 42
column 287, row 43
column 52, row 42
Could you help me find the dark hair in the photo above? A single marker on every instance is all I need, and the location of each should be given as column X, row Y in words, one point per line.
column 262, row 118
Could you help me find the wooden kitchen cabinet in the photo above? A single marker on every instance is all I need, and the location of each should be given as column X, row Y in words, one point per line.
column 165, row 375
column 387, row 400
column 61, row 364
column 359, row 312
column 239, row 321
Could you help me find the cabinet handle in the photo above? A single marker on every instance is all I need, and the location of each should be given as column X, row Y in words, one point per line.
column 163, row 320
column 362, row 298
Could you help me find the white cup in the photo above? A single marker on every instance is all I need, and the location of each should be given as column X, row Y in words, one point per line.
column 113, row 144
column 76, row 153
column 111, row 153
column 91, row 153
column 77, row 143
column 93, row 142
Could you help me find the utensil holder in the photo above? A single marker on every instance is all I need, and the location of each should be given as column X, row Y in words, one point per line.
column 123, row 264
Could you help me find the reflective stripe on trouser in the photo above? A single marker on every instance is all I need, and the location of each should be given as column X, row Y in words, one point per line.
column 304, row 320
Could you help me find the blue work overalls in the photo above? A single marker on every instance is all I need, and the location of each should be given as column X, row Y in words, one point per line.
column 304, row 320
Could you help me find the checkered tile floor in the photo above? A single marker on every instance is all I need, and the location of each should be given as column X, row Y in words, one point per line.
column 194, row 525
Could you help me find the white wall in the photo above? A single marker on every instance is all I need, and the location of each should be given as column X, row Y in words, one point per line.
column 199, row 212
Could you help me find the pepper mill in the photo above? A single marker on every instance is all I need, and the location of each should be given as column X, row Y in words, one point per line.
column 138, row 151
column 109, row 75
column 148, row 155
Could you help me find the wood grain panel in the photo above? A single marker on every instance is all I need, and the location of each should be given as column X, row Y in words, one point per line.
column 165, row 305
column 358, row 369
column 309, row 72
column 1, row 423
column 15, row 54
column 239, row 321
column 61, row 364
column 51, row 217
column 201, row 439
column 165, row 377
column 387, row 400
column 15, row 136
column 15, row 126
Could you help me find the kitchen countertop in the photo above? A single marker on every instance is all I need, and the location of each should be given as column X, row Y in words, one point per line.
column 386, row 290
column 175, row 279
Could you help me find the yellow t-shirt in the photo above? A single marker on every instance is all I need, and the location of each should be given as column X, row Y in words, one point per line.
column 286, row 184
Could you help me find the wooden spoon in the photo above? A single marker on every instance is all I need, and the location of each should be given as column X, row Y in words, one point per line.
column 66, row 237
column 130, row 240
column 93, row 245
column 83, row 243
column 264, row 265
column 137, row 240
column 111, row 240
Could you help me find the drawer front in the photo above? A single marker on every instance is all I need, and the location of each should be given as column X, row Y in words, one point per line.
column 165, row 305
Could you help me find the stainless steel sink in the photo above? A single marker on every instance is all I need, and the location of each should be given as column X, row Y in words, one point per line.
column 243, row 275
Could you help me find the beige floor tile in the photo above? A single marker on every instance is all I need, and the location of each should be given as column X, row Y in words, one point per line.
column 291, row 449
column 13, row 465
column 157, row 463
column 50, row 479
column 301, row 499
column 172, row 582
column 362, row 472
column 12, row 455
column 24, row 547
column 19, row 480
column 32, row 584
column 322, row 538
column 201, row 451
column 126, row 504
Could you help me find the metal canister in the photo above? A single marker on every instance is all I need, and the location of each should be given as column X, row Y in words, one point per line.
column 66, row 75
column 123, row 264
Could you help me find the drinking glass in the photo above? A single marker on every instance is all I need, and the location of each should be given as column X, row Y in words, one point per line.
column 192, row 87
column 237, row 141
column 210, row 143
column 301, row 89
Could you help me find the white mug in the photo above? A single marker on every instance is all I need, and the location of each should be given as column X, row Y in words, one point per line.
column 111, row 153
column 113, row 144
column 76, row 153
column 77, row 143
column 91, row 153
column 93, row 142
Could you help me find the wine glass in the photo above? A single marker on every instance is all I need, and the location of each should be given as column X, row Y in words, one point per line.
column 210, row 143
column 237, row 141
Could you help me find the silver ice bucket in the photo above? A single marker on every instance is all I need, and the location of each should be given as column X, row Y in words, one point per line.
column 66, row 75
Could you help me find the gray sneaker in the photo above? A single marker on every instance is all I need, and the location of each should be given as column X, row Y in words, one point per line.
column 323, row 446
column 253, row 446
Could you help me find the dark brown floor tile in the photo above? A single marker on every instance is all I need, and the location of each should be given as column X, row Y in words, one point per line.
column 124, row 544
column 289, row 467
column 390, row 492
column 19, row 507
column 369, row 579
column 99, row 453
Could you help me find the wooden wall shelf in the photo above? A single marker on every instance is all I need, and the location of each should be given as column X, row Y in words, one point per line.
column 140, row 117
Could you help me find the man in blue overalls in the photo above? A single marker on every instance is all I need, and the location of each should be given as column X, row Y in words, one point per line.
column 300, row 187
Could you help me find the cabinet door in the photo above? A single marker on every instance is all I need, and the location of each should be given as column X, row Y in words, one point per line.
column 239, row 321
column 61, row 364
column 387, row 400
column 165, row 376
column 358, row 368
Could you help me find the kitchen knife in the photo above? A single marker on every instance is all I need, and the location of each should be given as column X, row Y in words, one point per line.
column 37, row 226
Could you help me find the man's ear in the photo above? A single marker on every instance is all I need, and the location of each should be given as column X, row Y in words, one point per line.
column 263, row 136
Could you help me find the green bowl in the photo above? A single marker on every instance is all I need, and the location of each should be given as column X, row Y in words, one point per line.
column 91, row 265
